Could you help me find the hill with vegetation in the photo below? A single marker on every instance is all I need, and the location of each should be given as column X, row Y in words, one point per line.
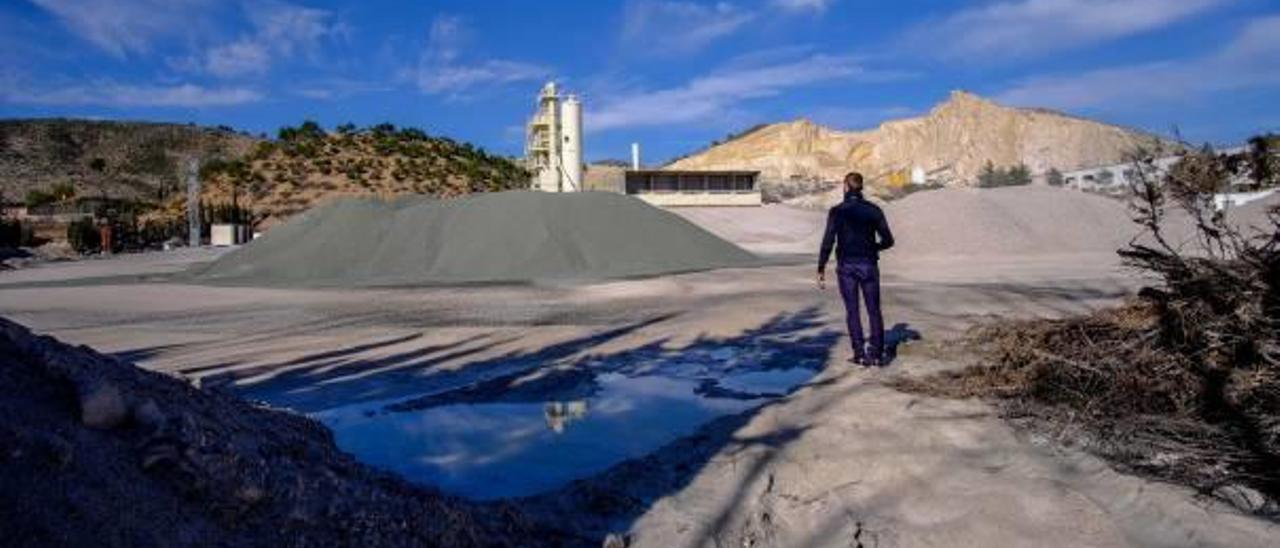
column 130, row 173
column 306, row 165
column 57, row 159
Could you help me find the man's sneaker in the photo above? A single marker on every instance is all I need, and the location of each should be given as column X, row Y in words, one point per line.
column 858, row 360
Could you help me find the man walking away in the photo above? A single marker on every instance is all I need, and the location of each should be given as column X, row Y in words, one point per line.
column 859, row 232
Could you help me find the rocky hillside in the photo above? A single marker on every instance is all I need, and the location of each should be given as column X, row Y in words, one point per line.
column 133, row 160
column 951, row 144
column 273, row 178
column 307, row 166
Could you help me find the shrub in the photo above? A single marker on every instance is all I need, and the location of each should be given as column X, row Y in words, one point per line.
column 15, row 234
column 773, row 191
column 83, row 235
column 992, row 176
column 308, row 131
column 63, row 191
column 1055, row 178
column 37, row 198
column 911, row 188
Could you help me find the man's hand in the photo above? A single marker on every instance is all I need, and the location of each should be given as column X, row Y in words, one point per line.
column 822, row 279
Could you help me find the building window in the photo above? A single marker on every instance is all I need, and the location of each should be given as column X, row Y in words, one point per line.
column 639, row 185
column 719, row 184
column 743, row 183
column 693, row 183
column 666, row 183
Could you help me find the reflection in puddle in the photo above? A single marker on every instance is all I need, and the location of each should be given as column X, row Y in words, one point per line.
column 523, row 425
column 495, row 450
column 558, row 413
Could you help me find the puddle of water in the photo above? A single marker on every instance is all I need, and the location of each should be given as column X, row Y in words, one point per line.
column 523, row 426
column 498, row 450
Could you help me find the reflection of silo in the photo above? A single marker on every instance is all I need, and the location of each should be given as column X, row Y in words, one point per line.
column 571, row 147
column 560, row 414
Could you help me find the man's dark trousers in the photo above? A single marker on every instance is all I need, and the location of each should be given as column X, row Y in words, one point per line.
column 862, row 276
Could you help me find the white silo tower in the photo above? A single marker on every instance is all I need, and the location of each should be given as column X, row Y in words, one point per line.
column 571, row 144
column 553, row 146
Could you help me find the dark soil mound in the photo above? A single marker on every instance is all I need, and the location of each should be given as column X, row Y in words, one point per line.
column 96, row 452
column 500, row 237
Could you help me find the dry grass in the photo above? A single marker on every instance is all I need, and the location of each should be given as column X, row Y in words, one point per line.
column 1183, row 381
column 1102, row 381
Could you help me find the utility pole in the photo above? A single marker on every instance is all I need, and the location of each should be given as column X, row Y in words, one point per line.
column 193, row 202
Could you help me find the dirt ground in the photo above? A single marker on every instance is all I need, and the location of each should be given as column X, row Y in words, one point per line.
column 845, row 461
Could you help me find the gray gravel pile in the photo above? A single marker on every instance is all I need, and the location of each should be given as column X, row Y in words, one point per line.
column 499, row 237
column 1014, row 221
column 1008, row 221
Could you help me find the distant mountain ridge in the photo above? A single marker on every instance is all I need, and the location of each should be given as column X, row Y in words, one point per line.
column 952, row 143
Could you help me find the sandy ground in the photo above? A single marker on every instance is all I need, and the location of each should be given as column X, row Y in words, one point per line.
column 846, row 461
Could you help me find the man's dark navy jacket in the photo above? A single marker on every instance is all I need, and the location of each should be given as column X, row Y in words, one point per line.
column 860, row 229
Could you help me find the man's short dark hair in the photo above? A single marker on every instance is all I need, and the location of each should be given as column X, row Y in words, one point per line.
column 853, row 178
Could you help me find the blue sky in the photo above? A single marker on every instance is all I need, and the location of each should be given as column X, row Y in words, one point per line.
column 672, row 75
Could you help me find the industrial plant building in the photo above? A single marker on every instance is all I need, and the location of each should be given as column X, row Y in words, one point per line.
column 553, row 144
column 554, row 149
column 670, row 188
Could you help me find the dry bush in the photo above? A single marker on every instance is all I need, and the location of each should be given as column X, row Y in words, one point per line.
column 1183, row 381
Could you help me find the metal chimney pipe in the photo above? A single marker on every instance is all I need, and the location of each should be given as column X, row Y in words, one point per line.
column 635, row 156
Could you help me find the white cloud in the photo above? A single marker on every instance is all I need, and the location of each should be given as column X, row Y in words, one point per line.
column 121, row 27
column 237, row 58
column 280, row 31
column 441, row 69
column 1025, row 28
column 446, row 35
column 1251, row 59
column 123, row 95
column 335, row 88
column 666, row 27
column 455, row 78
column 853, row 118
column 817, row 6
column 290, row 28
column 715, row 95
